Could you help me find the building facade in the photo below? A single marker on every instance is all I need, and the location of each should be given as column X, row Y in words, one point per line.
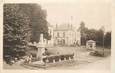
column 66, row 35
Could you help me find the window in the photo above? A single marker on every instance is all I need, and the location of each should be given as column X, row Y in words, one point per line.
column 57, row 34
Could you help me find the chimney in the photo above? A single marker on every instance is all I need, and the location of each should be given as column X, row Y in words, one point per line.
column 71, row 26
column 71, row 21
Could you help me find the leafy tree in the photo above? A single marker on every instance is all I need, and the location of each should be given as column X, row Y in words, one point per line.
column 83, row 31
column 16, row 29
column 22, row 23
column 38, row 20
column 99, row 37
column 107, row 40
column 91, row 34
column 96, row 35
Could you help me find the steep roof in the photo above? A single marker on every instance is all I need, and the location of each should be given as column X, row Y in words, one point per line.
column 91, row 41
column 64, row 27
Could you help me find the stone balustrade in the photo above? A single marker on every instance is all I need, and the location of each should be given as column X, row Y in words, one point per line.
column 58, row 58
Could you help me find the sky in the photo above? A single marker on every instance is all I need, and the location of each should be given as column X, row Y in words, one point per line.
column 94, row 13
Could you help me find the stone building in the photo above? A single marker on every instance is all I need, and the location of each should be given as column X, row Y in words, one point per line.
column 66, row 35
column 90, row 44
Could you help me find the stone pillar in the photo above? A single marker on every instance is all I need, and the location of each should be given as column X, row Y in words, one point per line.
column 41, row 48
column 64, row 59
column 39, row 53
column 59, row 59
column 94, row 46
column 47, row 60
column 54, row 61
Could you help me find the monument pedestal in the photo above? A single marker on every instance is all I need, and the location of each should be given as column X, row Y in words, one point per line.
column 40, row 50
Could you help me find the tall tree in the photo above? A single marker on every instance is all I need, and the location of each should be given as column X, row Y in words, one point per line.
column 83, row 31
column 38, row 20
column 91, row 34
column 16, row 29
column 22, row 23
column 107, row 40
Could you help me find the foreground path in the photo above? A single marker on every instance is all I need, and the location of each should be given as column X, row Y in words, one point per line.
column 100, row 65
column 103, row 64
